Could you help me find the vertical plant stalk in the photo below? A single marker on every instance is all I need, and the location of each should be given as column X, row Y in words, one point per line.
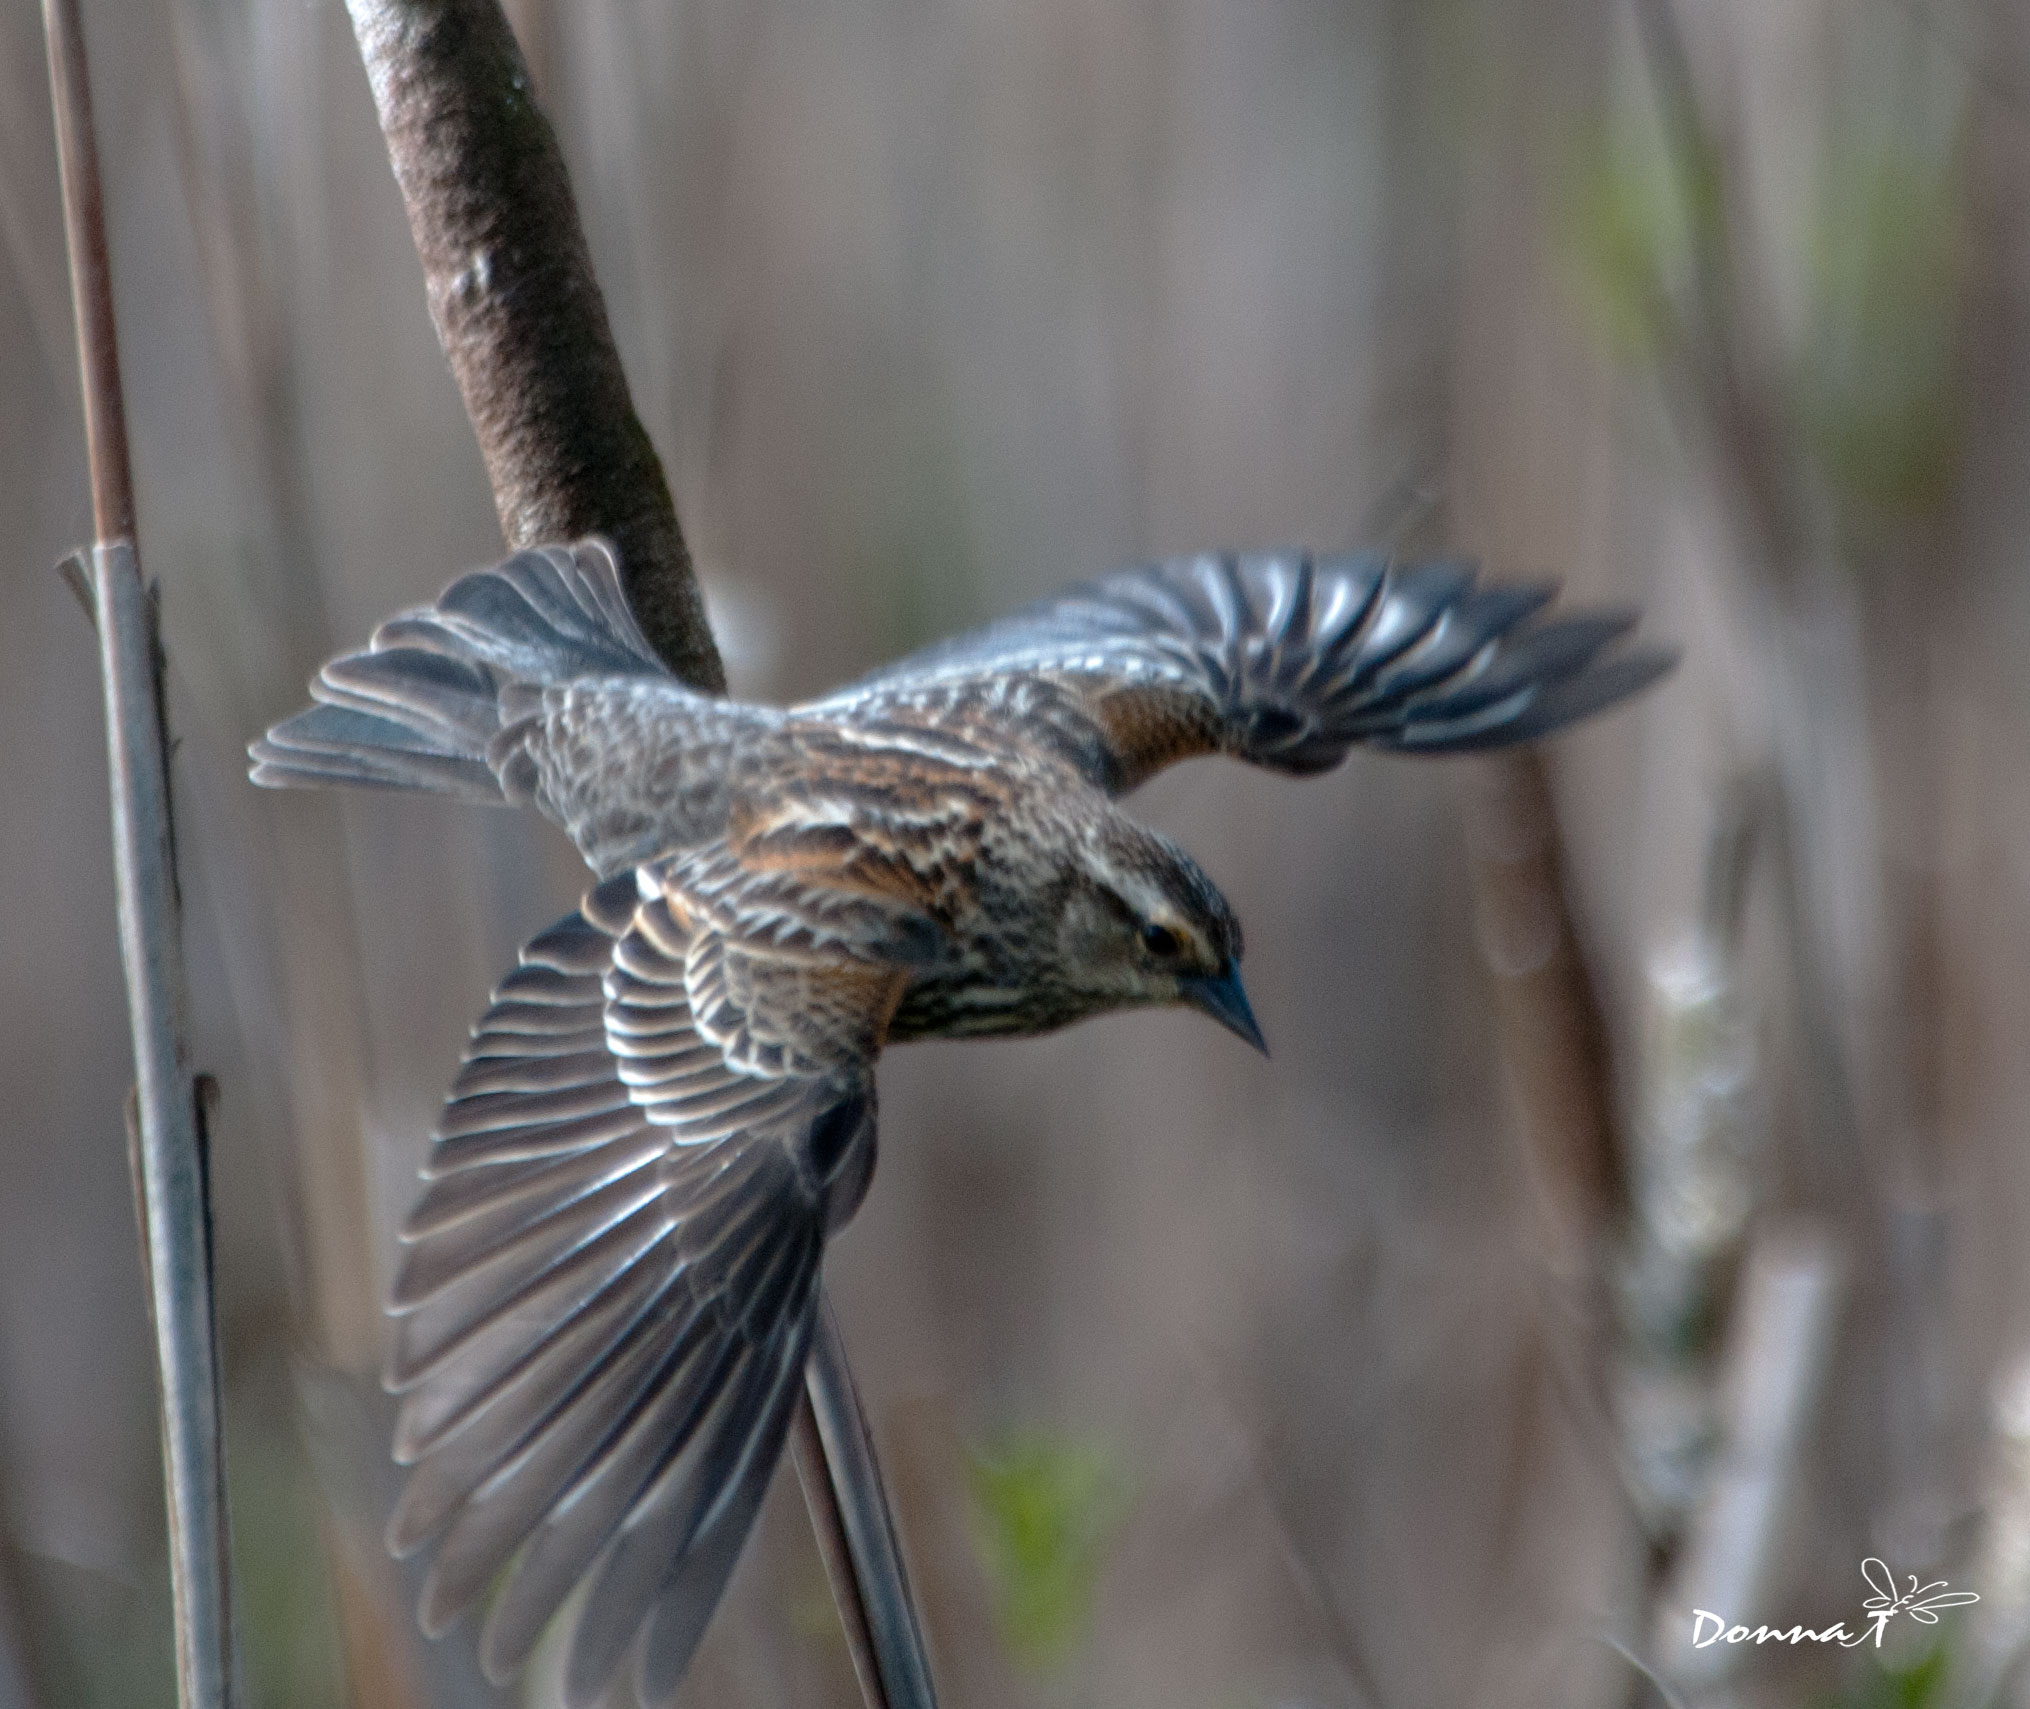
column 290, row 941
column 91, row 273
column 862, row 1530
column 1782, row 1338
column 1714, row 376
column 524, row 328
column 1548, row 1017
column 807, row 1447
column 175, row 1209
column 1873, row 1157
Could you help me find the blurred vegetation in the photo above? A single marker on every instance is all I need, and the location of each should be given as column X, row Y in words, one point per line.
column 934, row 308
column 1045, row 1510
column 1879, row 382
column 1631, row 217
column 290, row 1654
column 1873, row 371
column 1916, row 1681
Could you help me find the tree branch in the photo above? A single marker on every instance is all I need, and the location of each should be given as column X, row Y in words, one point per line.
column 518, row 311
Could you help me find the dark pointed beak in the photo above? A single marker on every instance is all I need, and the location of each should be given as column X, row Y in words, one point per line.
column 1225, row 999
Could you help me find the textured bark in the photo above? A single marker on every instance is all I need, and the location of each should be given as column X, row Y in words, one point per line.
column 517, row 309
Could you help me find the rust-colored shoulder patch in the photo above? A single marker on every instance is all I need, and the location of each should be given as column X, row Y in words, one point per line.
column 1152, row 725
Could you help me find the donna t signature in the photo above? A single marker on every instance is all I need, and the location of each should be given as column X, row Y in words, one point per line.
column 1920, row 1601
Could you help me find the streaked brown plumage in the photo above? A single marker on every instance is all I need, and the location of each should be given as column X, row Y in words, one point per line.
column 606, row 1296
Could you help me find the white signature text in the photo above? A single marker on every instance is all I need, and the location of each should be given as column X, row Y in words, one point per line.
column 1920, row 1601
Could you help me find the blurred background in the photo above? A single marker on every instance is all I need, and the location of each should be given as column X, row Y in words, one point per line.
column 1632, row 1220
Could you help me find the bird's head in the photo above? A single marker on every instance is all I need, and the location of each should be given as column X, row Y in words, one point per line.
column 1143, row 925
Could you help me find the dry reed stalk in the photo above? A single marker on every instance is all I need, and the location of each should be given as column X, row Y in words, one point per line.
column 1782, row 1340
column 26, row 222
column 1553, row 1044
column 289, row 935
column 176, row 1208
column 830, row 1419
column 1862, row 965
column 807, row 1448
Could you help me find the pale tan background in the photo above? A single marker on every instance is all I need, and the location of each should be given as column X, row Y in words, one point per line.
column 932, row 306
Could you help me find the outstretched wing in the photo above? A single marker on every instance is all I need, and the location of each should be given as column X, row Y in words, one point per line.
column 1274, row 658
column 606, row 1300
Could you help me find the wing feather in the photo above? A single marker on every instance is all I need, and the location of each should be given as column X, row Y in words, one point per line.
column 497, row 1299
column 467, row 1193
column 646, row 1398
column 524, row 1228
column 605, row 1300
column 1277, row 659
column 462, row 1441
column 719, row 1475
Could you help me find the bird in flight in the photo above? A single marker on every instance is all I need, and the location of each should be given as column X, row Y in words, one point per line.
column 608, row 1287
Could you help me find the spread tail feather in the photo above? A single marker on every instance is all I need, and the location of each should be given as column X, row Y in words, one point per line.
column 419, row 708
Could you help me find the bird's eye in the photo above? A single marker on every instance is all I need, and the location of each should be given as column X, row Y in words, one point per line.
column 1160, row 941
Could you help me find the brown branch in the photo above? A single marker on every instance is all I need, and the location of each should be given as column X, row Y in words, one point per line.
column 517, row 309
column 1553, row 1040
column 91, row 276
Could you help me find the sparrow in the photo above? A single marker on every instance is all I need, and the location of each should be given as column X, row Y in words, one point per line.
column 608, row 1286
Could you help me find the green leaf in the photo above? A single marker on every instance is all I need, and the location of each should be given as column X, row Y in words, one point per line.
column 1045, row 1509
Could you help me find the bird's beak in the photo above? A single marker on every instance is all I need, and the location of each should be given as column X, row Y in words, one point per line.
column 1225, row 999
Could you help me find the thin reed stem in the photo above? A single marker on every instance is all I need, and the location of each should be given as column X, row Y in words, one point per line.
column 175, row 1191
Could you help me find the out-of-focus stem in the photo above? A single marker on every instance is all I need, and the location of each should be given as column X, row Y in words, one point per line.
column 1553, row 1044
column 1782, row 1345
column 1695, row 1182
column 808, row 1449
column 1717, row 370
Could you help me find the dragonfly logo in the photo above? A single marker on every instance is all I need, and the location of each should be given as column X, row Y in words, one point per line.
column 1922, row 1602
